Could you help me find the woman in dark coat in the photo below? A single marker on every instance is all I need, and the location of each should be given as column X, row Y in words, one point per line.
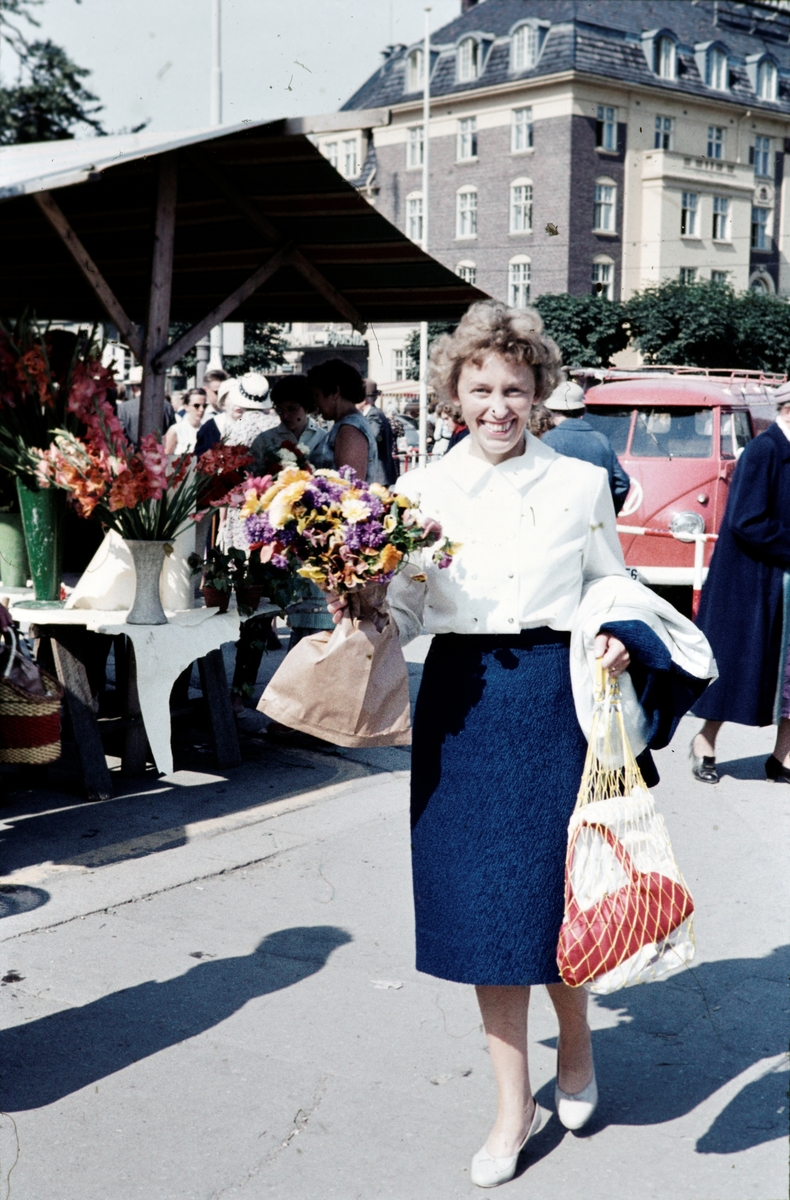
column 741, row 609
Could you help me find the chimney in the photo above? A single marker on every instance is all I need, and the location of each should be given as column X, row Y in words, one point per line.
column 466, row 5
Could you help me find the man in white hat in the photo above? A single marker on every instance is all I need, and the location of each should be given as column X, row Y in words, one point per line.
column 576, row 438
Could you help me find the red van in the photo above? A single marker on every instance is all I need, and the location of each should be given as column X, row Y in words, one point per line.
column 678, row 433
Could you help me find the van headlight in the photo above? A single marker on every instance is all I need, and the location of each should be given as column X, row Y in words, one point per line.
column 686, row 525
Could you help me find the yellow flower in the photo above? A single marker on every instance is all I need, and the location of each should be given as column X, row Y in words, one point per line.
column 389, row 523
column 390, row 557
column 382, row 493
column 402, row 501
column 250, row 506
column 281, row 508
column 314, row 574
column 354, row 510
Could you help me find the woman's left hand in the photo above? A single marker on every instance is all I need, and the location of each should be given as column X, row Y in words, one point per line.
column 613, row 653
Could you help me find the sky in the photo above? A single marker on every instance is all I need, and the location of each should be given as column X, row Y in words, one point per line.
column 150, row 59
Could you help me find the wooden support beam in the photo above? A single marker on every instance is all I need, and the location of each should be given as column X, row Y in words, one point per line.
column 204, row 163
column 214, row 682
column 98, row 284
column 166, row 358
column 152, row 398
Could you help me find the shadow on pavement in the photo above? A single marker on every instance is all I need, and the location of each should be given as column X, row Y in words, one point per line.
column 16, row 898
column 679, row 1041
column 45, row 1060
column 744, row 768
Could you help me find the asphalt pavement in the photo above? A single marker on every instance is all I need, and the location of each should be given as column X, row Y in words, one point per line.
column 208, row 991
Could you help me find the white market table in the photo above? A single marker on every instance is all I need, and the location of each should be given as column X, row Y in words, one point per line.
column 159, row 654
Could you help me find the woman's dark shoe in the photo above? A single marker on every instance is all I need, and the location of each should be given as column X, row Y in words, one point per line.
column 774, row 770
column 703, row 769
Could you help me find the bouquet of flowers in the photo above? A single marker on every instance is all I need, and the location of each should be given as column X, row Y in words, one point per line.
column 345, row 533
column 140, row 494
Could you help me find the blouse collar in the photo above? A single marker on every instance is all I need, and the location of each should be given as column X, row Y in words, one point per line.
column 473, row 474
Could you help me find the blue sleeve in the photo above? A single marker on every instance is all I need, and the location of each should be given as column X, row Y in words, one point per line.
column 620, row 483
column 750, row 510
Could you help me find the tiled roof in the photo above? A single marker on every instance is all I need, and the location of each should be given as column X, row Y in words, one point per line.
column 603, row 38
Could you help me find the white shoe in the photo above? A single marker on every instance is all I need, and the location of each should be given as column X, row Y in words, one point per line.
column 488, row 1171
column 574, row 1109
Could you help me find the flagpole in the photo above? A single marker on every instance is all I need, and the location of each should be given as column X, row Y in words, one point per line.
column 426, row 116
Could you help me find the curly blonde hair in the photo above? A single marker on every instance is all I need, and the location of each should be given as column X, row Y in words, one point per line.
column 490, row 325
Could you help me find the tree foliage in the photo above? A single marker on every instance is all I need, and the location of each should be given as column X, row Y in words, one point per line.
column 435, row 330
column 264, row 348
column 587, row 329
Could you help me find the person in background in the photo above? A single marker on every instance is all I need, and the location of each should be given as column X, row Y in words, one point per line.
column 337, row 390
column 129, row 415
column 453, row 414
column 540, row 421
column 181, row 437
column 292, row 398
column 744, row 608
column 574, row 436
column 382, row 431
column 212, row 382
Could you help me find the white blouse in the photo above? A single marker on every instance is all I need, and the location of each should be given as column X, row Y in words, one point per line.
column 534, row 530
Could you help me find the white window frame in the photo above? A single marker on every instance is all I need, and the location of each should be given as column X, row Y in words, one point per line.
column 350, row 158
column 467, row 270
column 717, row 140
column 763, row 225
column 521, row 198
column 605, row 205
column 415, row 70
column 720, row 276
column 466, row 140
column 666, row 63
column 524, row 47
column 689, row 214
column 398, row 366
column 687, row 275
column 664, row 133
column 415, row 146
column 469, row 60
column 519, row 281
column 414, row 217
column 762, row 156
column 720, row 229
column 466, row 214
column 606, row 125
column 330, row 151
column 603, row 274
column 716, row 69
column 521, row 131
column 767, row 80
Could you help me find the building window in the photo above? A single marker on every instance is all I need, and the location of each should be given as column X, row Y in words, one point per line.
column 518, row 278
column 525, row 48
column 521, row 206
column 414, row 216
column 716, row 69
column 766, row 80
column 761, row 156
column 603, row 278
column 330, row 152
column 604, row 212
column 715, row 141
column 467, row 138
column 719, row 276
column 521, row 130
column 398, row 365
column 721, row 214
column 760, row 239
column 688, row 214
column 688, row 275
column 350, row 169
column 415, row 147
column 466, row 213
column 468, row 60
column 606, row 128
column 415, row 73
column 467, row 271
column 666, row 58
column 663, row 134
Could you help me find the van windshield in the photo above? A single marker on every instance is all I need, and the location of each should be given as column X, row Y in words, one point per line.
column 614, row 422
column 673, row 433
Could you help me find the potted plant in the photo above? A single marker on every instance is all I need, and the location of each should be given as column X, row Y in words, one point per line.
column 216, row 577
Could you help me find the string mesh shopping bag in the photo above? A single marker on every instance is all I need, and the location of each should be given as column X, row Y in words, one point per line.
column 628, row 912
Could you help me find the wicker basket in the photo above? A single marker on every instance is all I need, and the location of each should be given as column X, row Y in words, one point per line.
column 30, row 725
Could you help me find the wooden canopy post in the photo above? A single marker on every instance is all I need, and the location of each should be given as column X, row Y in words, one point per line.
column 152, row 399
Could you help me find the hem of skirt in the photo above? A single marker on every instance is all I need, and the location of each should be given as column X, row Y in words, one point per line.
column 458, row 977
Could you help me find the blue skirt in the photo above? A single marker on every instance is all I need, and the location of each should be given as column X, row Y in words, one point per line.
column 497, row 758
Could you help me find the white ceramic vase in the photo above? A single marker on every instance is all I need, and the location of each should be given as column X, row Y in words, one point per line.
column 148, row 558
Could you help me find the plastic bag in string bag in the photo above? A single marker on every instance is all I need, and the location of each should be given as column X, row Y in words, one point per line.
column 628, row 912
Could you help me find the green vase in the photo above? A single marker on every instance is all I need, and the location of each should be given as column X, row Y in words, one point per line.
column 14, row 570
column 43, row 514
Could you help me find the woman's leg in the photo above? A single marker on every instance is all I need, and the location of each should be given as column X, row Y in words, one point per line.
column 504, row 1012
column 575, row 1066
column 782, row 747
column 705, row 741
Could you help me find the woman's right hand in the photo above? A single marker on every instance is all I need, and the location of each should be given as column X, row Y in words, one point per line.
column 371, row 598
column 337, row 606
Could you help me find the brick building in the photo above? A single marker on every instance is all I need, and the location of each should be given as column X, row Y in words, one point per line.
column 580, row 146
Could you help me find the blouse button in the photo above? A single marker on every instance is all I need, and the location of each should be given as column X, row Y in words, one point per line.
column 510, row 621
column 474, row 620
column 510, row 576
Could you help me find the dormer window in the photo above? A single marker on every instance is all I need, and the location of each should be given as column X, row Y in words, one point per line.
column 767, row 80
column 526, row 45
column 666, row 58
column 716, row 69
column 415, row 72
column 469, row 60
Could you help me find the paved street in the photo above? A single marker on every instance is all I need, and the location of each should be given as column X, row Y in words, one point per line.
column 208, row 992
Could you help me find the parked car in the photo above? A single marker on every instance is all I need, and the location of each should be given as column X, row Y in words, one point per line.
column 678, row 433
